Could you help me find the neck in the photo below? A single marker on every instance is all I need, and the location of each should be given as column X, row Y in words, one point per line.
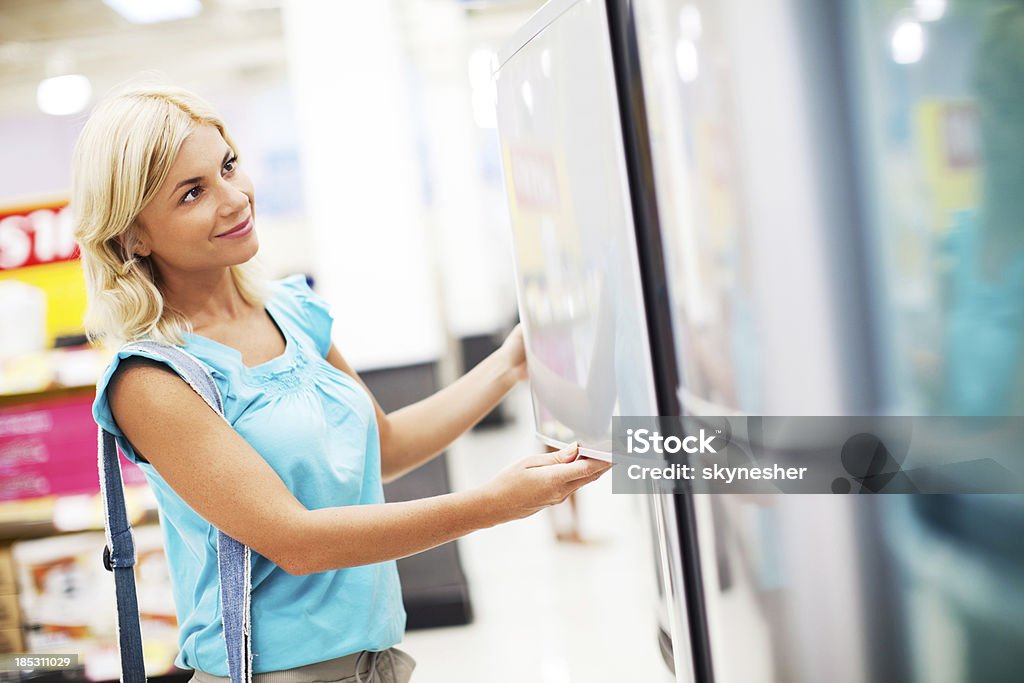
column 205, row 299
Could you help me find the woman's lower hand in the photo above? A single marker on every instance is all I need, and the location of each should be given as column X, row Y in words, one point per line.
column 540, row 481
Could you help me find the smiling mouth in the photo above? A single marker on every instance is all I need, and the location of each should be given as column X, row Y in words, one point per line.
column 238, row 228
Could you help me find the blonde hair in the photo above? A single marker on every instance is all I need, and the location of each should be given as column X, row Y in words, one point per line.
column 121, row 159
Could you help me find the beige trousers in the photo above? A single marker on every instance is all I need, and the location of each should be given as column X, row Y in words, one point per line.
column 388, row 666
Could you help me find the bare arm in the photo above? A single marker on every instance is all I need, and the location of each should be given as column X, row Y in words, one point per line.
column 413, row 435
column 220, row 476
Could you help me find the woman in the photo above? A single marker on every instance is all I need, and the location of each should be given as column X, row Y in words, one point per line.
column 166, row 218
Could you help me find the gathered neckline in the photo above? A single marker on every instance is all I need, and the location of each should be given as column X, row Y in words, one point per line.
column 268, row 366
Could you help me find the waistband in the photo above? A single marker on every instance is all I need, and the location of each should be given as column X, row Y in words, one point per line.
column 362, row 663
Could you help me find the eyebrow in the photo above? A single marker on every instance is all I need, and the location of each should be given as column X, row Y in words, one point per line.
column 190, row 181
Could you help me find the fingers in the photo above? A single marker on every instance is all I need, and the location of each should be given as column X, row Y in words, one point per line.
column 583, row 467
column 564, row 455
column 570, row 453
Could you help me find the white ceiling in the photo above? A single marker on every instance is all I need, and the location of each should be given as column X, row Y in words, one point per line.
column 231, row 42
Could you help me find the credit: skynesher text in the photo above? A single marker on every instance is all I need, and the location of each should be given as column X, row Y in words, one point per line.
column 715, row 472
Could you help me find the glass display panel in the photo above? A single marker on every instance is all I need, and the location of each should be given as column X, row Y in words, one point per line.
column 577, row 274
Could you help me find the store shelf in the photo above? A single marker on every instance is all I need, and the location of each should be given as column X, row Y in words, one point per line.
column 54, row 391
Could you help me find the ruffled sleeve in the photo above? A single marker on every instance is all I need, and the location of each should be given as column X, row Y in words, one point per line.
column 101, row 411
column 314, row 313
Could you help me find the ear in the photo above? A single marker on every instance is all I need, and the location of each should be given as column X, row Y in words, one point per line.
column 135, row 241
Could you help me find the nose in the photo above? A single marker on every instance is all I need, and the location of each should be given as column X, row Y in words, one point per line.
column 232, row 199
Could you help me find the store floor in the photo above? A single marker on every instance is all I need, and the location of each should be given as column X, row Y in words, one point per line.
column 547, row 611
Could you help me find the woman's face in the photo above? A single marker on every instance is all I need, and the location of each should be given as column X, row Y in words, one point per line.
column 201, row 218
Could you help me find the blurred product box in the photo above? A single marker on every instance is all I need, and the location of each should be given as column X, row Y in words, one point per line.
column 64, row 591
column 7, row 581
column 26, row 374
column 10, row 617
column 48, row 447
column 27, row 304
column 11, row 641
column 68, row 604
column 41, row 371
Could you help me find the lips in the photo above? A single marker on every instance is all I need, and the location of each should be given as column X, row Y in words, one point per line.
column 239, row 229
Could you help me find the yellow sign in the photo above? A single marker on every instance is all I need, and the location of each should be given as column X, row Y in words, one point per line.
column 64, row 286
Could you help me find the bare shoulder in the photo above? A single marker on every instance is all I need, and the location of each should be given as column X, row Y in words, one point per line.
column 143, row 392
column 137, row 369
column 138, row 379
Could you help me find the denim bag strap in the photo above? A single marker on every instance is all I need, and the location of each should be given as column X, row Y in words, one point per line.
column 119, row 557
column 233, row 558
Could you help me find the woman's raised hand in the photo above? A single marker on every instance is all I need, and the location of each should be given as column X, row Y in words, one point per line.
column 514, row 350
column 540, row 481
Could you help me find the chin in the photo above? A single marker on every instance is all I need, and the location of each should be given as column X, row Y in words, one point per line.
column 252, row 247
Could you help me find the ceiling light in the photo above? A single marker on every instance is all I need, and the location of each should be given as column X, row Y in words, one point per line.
column 907, row 43
column 62, row 95
column 153, row 11
column 930, row 10
column 687, row 62
column 482, row 65
column 690, row 25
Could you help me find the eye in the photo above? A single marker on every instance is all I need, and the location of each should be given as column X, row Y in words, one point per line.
column 230, row 164
column 192, row 195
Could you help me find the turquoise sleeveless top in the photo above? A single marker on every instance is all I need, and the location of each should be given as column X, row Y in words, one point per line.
column 315, row 425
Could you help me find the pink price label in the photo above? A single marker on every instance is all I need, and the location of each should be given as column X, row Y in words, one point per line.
column 49, row 448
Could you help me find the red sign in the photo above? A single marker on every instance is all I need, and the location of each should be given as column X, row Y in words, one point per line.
column 40, row 234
